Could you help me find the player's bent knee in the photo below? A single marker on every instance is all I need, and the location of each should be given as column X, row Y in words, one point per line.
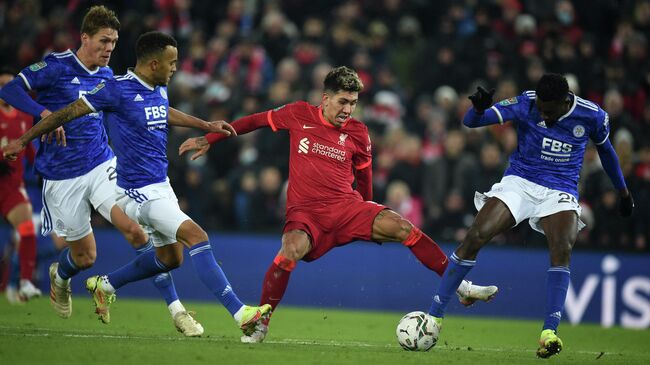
column 189, row 233
column 295, row 251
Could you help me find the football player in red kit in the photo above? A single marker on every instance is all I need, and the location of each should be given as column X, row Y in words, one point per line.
column 329, row 150
column 14, row 202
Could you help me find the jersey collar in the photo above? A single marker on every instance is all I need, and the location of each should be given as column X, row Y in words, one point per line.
column 328, row 124
column 74, row 54
column 130, row 71
column 573, row 106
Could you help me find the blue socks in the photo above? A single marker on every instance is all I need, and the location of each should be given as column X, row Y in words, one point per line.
column 557, row 284
column 143, row 266
column 451, row 279
column 213, row 277
column 67, row 268
column 163, row 282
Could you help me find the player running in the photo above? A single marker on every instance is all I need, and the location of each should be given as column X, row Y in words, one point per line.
column 553, row 127
column 329, row 149
column 14, row 202
column 79, row 175
column 137, row 111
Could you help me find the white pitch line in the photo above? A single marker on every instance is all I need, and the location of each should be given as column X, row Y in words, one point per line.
column 285, row 341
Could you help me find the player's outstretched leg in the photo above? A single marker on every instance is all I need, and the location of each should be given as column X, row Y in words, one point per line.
column 275, row 284
column 430, row 255
column 103, row 288
column 557, row 285
column 215, row 280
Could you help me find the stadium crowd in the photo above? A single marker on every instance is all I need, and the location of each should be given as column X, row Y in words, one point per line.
column 418, row 60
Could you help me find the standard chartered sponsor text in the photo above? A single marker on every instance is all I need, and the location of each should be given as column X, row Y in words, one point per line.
column 328, row 151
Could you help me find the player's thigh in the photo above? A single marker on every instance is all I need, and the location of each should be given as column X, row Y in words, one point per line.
column 66, row 208
column 561, row 229
column 494, row 218
column 165, row 218
column 20, row 213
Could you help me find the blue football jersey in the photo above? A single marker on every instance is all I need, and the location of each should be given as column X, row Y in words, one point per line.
column 59, row 80
column 136, row 116
column 552, row 156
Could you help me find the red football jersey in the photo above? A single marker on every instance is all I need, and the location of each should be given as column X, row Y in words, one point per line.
column 13, row 124
column 322, row 157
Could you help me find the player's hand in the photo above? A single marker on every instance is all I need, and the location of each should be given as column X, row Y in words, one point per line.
column 5, row 168
column 626, row 205
column 222, row 127
column 198, row 144
column 59, row 133
column 481, row 99
column 10, row 152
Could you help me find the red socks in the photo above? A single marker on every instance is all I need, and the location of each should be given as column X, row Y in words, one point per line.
column 27, row 249
column 427, row 251
column 276, row 280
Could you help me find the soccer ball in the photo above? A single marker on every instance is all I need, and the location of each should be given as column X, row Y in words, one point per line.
column 417, row 331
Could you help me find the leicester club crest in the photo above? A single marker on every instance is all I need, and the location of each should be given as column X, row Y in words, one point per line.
column 578, row 131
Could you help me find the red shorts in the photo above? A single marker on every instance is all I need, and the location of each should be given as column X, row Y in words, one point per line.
column 10, row 197
column 335, row 225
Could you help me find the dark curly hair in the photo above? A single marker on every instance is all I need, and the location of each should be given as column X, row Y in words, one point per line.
column 342, row 78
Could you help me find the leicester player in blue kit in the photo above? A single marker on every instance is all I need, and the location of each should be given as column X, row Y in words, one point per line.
column 553, row 128
column 137, row 111
column 79, row 172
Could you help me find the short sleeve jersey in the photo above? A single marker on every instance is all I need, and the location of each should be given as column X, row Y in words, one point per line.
column 59, row 80
column 136, row 117
column 322, row 158
column 552, row 156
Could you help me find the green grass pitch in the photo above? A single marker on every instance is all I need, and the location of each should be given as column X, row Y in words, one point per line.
column 141, row 332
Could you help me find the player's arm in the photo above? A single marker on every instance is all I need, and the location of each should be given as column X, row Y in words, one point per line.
column 484, row 113
column 15, row 93
column 240, row 126
column 51, row 122
column 611, row 165
column 180, row 119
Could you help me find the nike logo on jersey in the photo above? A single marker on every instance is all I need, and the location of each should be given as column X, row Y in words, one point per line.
column 305, row 126
column 75, row 81
column 138, row 98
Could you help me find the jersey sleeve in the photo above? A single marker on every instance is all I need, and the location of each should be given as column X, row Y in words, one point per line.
column 509, row 109
column 41, row 75
column 363, row 157
column 284, row 117
column 601, row 131
column 105, row 96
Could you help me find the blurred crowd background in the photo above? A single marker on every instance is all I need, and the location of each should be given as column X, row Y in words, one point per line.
column 418, row 59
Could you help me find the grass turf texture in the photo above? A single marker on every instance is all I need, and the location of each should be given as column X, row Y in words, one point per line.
column 142, row 332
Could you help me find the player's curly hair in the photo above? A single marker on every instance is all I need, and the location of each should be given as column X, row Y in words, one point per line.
column 552, row 87
column 99, row 17
column 342, row 78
